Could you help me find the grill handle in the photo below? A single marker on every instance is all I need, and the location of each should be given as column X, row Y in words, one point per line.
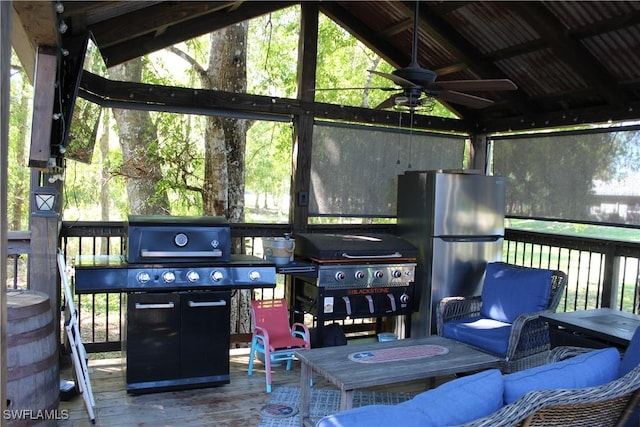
column 393, row 255
column 142, row 306
column 146, row 253
column 220, row 303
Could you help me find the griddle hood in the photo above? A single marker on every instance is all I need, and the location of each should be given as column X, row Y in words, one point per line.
column 352, row 247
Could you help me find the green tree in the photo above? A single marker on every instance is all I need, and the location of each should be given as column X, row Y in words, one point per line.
column 19, row 127
column 140, row 155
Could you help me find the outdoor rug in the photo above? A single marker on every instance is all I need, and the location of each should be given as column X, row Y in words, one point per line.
column 396, row 354
column 283, row 407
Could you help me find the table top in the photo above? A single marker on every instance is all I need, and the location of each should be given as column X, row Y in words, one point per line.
column 607, row 323
column 336, row 365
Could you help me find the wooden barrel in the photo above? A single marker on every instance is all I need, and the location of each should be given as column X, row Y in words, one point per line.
column 33, row 379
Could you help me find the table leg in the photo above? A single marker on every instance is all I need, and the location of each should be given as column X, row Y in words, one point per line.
column 346, row 399
column 305, row 394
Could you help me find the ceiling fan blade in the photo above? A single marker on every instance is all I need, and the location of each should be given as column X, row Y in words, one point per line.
column 472, row 85
column 387, row 103
column 396, row 79
column 465, row 99
column 387, row 88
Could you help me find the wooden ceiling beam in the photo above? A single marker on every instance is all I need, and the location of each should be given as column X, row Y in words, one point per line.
column 152, row 41
column 153, row 19
column 34, row 25
column 377, row 42
column 141, row 96
column 395, row 29
column 558, row 119
column 465, row 52
column 606, row 25
column 573, row 53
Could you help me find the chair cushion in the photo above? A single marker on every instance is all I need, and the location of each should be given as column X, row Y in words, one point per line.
column 630, row 360
column 487, row 334
column 481, row 394
column 586, row 370
column 631, row 357
column 509, row 291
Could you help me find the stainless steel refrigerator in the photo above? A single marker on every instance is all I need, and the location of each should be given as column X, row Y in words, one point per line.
column 456, row 220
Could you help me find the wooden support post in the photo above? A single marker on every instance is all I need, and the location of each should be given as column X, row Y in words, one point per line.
column 5, row 68
column 303, row 123
column 610, row 278
column 43, row 273
column 478, row 156
column 44, row 94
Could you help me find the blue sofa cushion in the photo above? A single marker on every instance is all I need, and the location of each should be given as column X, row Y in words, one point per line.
column 586, row 370
column 631, row 357
column 510, row 291
column 630, row 360
column 455, row 402
column 487, row 334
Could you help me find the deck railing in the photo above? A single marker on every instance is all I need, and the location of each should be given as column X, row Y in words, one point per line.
column 601, row 273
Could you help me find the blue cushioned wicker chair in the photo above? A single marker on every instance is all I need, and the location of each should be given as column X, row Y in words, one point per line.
column 505, row 319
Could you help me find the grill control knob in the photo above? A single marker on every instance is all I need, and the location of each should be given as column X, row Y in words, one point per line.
column 143, row 277
column 396, row 274
column 217, row 275
column 378, row 274
column 360, row 275
column 193, row 276
column 340, row 276
column 254, row 275
column 168, row 277
column 404, row 298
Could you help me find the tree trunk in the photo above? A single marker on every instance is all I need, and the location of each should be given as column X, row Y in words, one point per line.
column 104, row 178
column 223, row 190
column 138, row 139
column 20, row 192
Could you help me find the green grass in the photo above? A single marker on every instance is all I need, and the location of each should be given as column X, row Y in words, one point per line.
column 582, row 230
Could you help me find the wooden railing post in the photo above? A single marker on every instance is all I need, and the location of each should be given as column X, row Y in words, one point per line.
column 609, row 281
column 42, row 260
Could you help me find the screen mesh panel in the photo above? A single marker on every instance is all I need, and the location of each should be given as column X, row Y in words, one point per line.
column 578, row 176
column 354, row 169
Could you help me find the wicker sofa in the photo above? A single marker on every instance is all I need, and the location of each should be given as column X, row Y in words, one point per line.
column 612, row 404
column 592, row 388
column 505, row 319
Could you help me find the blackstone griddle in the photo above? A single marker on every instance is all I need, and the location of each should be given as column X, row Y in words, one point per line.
column 355, row 276
column 322, row 247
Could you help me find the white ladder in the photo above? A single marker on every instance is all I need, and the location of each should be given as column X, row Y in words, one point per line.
column 78, row 352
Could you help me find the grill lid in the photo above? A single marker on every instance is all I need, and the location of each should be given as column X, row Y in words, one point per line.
column 354, row 247
column 163, row 238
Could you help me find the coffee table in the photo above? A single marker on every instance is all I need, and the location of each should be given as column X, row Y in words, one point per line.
column 359, row 366
column 596, row 328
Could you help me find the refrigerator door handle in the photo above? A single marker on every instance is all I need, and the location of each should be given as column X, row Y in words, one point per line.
column 470, row 238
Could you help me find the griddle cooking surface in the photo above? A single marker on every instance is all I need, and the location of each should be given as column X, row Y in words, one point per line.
column 353, row 247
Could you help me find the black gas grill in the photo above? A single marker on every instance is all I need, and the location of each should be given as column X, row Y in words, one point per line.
column 178, row 276
column 354, row 276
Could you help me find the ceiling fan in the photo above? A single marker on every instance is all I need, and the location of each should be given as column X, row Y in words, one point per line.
column 419, row 86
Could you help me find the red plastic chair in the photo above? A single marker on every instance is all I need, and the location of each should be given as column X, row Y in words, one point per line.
column 273, row 336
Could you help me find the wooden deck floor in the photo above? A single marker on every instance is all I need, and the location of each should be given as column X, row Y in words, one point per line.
column 236, row 404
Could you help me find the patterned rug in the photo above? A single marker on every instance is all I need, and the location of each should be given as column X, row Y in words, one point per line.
column 282, row 409
column 396, row 354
